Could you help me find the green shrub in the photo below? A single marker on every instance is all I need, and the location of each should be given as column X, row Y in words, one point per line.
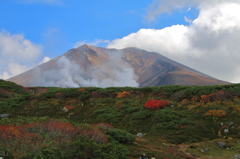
column 120, row 135
column 169, row 119
column 142, row 114
column 109, row 113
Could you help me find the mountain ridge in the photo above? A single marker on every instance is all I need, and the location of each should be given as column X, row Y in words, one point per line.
column 103, row 67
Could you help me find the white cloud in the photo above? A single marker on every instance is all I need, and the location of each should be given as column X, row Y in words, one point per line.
column 187, row 20
column 17, row 54
column 54, row 2
column 93, row 43
column 166, row 6
column 13, row 69
column 210, row 44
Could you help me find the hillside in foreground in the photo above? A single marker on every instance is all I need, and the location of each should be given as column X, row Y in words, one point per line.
column 171, row 121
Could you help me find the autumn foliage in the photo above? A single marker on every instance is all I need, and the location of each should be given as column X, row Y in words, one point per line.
column 31, row 138
column 216, row 113
column 82, row 89
column 220, row 95
column 123, row 94
column 155, row 104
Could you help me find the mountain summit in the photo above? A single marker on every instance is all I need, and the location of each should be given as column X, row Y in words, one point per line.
column 102, row 67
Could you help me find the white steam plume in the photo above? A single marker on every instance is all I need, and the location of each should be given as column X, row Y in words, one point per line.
column 69, row 74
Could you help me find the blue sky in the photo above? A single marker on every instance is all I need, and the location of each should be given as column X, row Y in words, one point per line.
column 32, row 31
column 58, row 26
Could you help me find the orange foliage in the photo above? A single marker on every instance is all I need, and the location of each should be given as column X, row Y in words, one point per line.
column 122, row 94
column 185, row 101
column 82, row 89
column 220, row 95
column 216, row 113
column 205, row 98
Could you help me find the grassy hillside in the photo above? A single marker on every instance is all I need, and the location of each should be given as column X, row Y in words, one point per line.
column 188, row 122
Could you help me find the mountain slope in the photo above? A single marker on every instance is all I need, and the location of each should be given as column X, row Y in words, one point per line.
column 193, row 118
column 101, row 67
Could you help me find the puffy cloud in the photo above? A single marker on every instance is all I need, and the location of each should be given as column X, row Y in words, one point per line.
column 210, row 44
column 17, row 47
column 13, row 69
column 17, row 54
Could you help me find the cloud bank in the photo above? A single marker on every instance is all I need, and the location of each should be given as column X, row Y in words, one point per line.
column 17, row 54
column 210, row 44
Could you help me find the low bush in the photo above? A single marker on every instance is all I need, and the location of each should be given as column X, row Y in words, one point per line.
column 120, row 135
column 142, row 114
column 169, row 119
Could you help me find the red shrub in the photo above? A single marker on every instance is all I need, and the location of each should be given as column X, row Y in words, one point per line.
column 155, row 104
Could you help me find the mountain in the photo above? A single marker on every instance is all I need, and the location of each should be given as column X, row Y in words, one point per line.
column 102, row 67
